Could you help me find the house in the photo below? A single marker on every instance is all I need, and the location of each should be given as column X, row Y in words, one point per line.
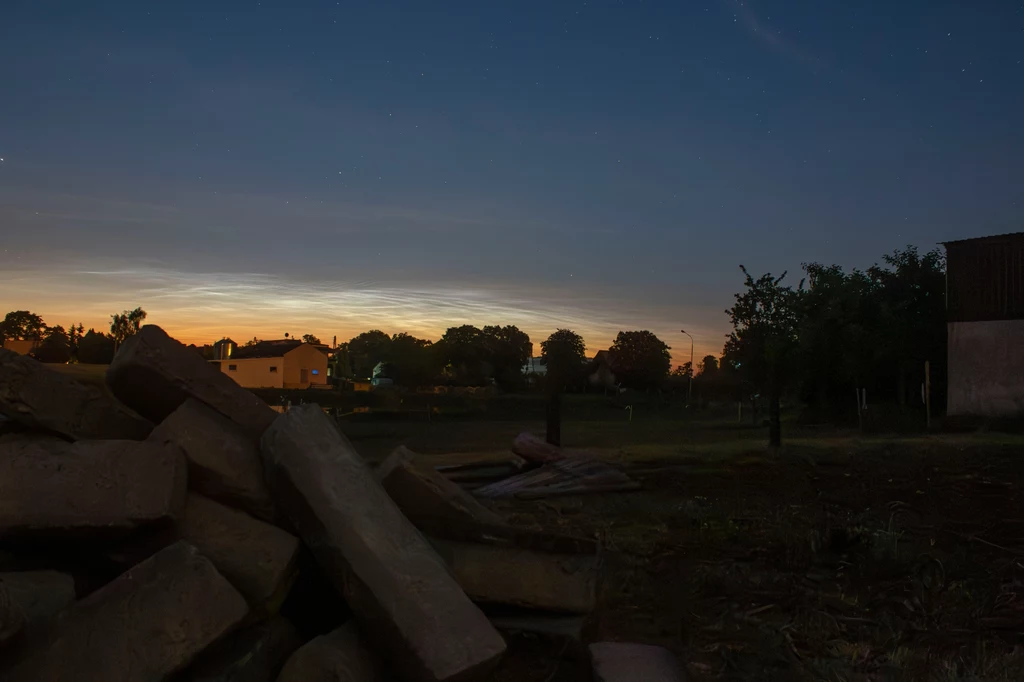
column 600, row 372
column 285, row 363
column 985, row 326
column 535, row 366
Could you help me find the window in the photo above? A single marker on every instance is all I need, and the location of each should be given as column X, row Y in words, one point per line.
column 232, row 368
column 273, row 369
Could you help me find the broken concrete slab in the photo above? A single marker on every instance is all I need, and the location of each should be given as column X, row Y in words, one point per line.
column 339, row 656
column 625, row 662
column 144, row 626
column 89, row 488
column 519, row 577
column 573, row 475
column 399, row 589
column 154, row 374
column 40, row 398
column 432, row 502
column 533, row 449
column 223, row 463
column 255, row 654
column 39, row 594
column 257, row 558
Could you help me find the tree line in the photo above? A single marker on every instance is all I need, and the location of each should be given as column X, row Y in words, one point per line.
column 814, row 343
column 55, row 344
column 472, row 356
column 838, row 332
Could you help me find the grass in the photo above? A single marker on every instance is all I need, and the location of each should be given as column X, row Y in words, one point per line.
column 838, row 557
column 89, row 374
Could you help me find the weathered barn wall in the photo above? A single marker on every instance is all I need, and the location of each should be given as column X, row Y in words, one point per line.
column 986, row 368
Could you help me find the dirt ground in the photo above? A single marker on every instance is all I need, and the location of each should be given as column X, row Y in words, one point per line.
column 834, row 559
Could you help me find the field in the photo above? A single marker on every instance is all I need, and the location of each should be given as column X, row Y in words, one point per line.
column 843, row 556
column 840, row 557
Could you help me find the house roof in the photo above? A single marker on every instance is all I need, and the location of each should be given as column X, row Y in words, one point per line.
column 266, row 349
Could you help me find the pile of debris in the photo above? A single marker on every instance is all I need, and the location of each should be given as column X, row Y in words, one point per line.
column 177, row 528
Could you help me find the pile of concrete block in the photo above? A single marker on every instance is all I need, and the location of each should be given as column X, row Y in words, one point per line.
column 174, row 527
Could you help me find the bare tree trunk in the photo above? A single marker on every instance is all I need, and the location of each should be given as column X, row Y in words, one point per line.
column 774, row 421
column 554, row 417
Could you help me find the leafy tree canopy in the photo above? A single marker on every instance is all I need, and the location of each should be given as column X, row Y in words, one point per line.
column 55, row 346
column 96, row 348
column 126, row 324
column 564, row 354
column 641, row 360
column 367, row 350
column 22, row 325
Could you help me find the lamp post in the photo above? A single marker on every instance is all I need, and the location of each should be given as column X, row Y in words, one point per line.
column 689, row 390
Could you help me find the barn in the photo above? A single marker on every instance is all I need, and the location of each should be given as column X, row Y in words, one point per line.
column 985, row 326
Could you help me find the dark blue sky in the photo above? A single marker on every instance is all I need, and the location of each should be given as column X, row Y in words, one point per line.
column 260, row 167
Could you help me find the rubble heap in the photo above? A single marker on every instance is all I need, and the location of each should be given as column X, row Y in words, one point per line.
column 177, row 528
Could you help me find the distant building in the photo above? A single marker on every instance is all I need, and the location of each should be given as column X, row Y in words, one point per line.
column 224, row 349
column 535, row 366
column 985, row 325
column 21, row 346
column 286, row 363
column 600, row 372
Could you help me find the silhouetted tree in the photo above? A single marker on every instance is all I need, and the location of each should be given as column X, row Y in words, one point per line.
column 708, row 366
column 913, row 314
column 463, row 356
column 75, row 338
column 682, row 371
column 125, row 325
column 309, row 338
column 341, row 364
column 641, row 360
column 54, row 347
column 367, row 350
column 96, row 348
column 251, row 342
column 506, row 349
column 564, row 355
column 411, row 361
column 763, row 345
column 22, row 325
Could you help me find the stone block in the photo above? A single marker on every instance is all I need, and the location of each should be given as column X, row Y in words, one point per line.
column 89, row 488
column 339, row 656
column 254, row 654
column 625, row 662
column 223, row 463
column 12, row 620
column 40, row 398
column 154, row 374
column 257, row 558
column 432, row 502
column 402, row 594
column 144, row 626
column 520, row 577
column 39, row 594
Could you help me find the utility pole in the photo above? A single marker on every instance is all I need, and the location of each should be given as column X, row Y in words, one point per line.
column 928, row 394
column 689, row 390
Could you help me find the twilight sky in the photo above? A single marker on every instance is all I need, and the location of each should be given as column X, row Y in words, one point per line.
column 255, row 168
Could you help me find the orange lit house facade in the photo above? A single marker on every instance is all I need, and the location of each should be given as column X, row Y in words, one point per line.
column 288, row 363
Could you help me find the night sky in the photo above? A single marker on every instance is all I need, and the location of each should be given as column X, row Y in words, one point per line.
column 255, row 168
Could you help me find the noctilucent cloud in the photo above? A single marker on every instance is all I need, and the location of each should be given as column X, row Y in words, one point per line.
column 255, row 168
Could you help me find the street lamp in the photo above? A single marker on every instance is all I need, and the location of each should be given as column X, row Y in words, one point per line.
column 689, row 390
